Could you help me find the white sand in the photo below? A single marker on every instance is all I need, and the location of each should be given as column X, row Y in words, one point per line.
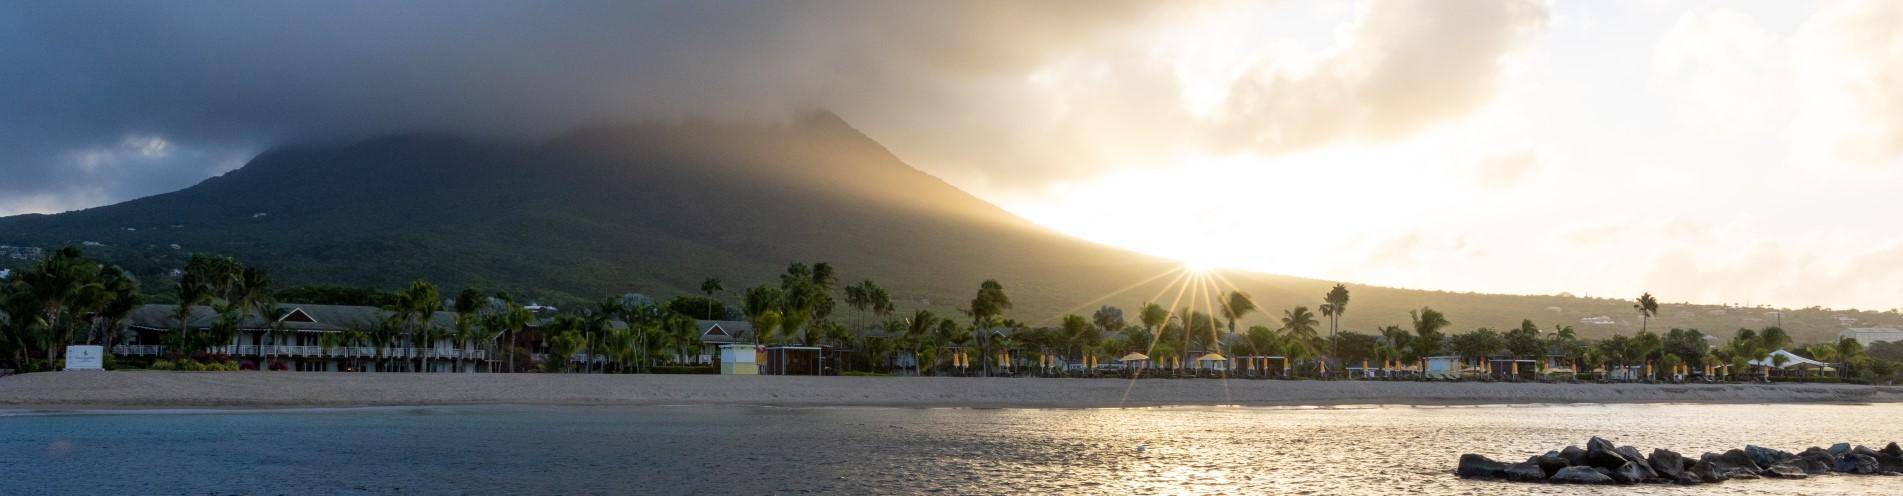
column 311, row 389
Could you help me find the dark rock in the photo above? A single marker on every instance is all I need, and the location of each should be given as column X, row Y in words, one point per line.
column 1667, row 463
column 1551, row 462
column 1527, row 471
column 1687, row 479
column 1865, row 451
column 1575, row 456
column 1890, row 463
column 1784, row 471
column 1474, row 466
column 1706, row 472
column 1632, row 455
column 1890, row 474
column 1766, row 457
column 1892, row 449
column 1734, row 461
column 1839, row 449
column 1744, row 476
column 1626, row 474
column 1579, row 475
column 1856, row 464
column 1601, row 453
column 1814, row 461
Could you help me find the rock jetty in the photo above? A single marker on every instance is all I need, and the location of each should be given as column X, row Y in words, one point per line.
column 1602, row 462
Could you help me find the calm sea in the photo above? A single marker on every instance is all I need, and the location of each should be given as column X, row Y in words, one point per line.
column 751, row 450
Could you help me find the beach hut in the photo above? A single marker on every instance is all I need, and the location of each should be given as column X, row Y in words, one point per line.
column 1442, row 367
column 738, row 359
column 1212, row 361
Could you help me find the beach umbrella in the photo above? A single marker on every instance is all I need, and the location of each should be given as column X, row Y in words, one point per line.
column 1133, row 356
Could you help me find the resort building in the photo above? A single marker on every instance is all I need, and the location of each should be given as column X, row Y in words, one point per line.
column 1868, row 335
column 328, row 338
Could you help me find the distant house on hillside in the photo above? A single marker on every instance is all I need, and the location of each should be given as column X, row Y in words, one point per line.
column 1600, row 320
column 1867, row 335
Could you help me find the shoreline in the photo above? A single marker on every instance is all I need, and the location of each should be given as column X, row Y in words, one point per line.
column 151, row 390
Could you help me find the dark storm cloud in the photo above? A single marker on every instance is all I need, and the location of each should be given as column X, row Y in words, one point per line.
column 85, row 84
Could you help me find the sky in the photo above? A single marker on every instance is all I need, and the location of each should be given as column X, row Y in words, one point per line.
column 1711, row 152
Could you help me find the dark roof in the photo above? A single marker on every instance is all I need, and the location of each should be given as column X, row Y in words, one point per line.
column 322, row 317
column 723, row 331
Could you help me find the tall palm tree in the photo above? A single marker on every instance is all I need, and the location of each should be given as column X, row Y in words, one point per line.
column 710, row 287
column 917, row 332
column 1334, row 305
column 414, row 309
column 1647, row 307
column 512, row 319
column 1235, row 305
column 1427, row 336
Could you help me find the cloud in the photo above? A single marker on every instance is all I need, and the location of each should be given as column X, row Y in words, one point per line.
column 1405, row 65
column 1504, row 171
column 210, row 80
column 1849, row 69
column 994, row 95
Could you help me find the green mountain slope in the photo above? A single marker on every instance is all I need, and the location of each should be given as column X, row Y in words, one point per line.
column 656, row 208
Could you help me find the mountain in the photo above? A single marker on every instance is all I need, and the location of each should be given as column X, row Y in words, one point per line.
column 655, row 208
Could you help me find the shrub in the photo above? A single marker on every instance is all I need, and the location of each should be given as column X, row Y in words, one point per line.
column 163, row 364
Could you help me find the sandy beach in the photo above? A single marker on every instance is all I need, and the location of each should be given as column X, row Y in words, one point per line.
column 284, row 390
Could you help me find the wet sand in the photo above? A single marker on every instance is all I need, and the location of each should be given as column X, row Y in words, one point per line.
column 145, row 389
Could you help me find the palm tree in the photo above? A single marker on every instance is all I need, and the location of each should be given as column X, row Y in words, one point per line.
column 916, row 332
column 414, row 309
column 759, row 302
column 710, row 287
column 354, row 337
column 1848, row 351
column 513, row 318
column 1334, row 305
column 1647, row 307
column 1235, row 305
column 1299, row 323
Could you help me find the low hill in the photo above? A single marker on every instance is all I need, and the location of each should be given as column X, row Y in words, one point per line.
column 655, row 208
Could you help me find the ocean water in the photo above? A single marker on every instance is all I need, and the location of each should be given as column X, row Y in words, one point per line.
column 760, row 450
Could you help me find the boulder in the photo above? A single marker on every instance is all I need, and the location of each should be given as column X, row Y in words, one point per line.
column 1551, row 462
column 1890, row 474
column 1865, row 451
column 1839, row 449
column 1632, row 455
column 1576, row 456
column 1892, row 449
column 1784, row 471
column 1527, row 471
column 1601, row 453
column 1890, row 463
column 1687, row 479
column 1814, row 461
column 1732, row 462
column 1667, row 463
column 1626, row 474
column 1579, row 475
column 1706, row 472
column 1766, row 457
column 1474, row 466
column 1856, row 464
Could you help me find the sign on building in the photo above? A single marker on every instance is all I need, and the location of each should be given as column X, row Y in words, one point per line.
column 85, row 357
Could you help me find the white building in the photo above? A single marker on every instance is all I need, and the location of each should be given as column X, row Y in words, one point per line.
column 1867, row 335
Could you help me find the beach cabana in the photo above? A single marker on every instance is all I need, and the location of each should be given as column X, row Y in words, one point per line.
column 1134, row 359
column 1792, row 362
column 1212, row 361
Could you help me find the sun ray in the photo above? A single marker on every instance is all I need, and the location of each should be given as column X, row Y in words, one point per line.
column 1086, row 305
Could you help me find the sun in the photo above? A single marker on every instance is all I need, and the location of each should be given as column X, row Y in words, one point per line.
column 1198, row 265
